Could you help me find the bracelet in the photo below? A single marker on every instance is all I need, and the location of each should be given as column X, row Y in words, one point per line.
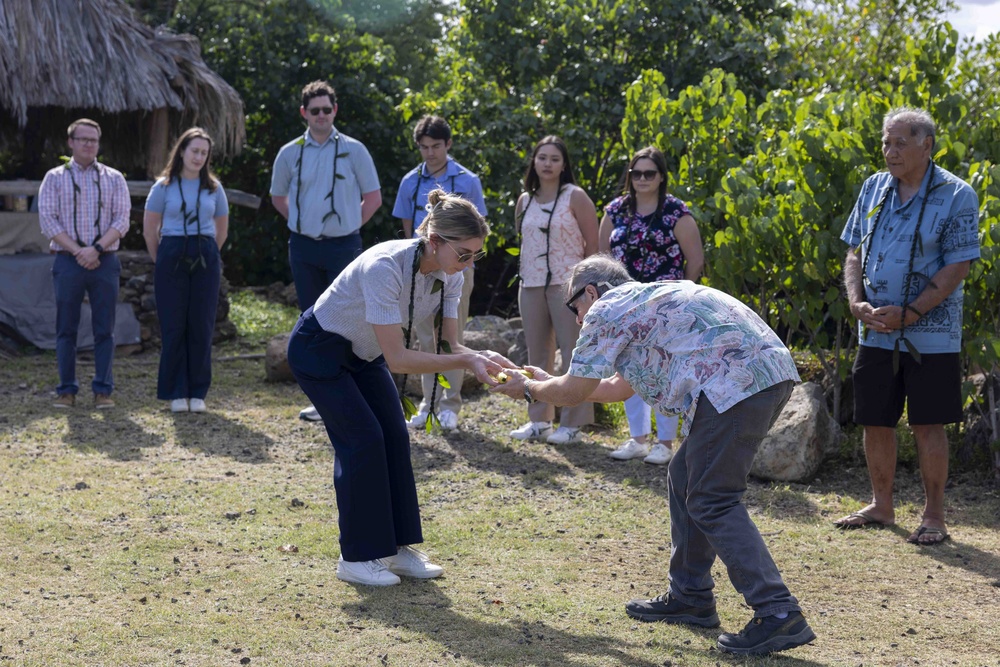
column 910, row 307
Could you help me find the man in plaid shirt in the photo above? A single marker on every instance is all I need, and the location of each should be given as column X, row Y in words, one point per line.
column 83, row 208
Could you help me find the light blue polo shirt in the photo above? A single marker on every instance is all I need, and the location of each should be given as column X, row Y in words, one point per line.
column 167, row 201
column 356, row 175
column 411, row 199
column 949, row 233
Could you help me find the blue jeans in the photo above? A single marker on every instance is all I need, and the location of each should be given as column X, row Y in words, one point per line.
column 71, row 281
column 707, row 480
column 372, row 473
column 186, row 303
column 317, row 262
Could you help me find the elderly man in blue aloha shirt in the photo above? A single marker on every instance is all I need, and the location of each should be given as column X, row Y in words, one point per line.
column 686, row 348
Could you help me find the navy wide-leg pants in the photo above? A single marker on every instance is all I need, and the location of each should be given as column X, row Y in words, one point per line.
column 186, row 303
column 372, row 474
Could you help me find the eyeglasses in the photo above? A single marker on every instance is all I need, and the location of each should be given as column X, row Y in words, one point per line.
column 464, row 257
column 647, row 175
column 315, row 111
column 86, row 141
column 576, row 295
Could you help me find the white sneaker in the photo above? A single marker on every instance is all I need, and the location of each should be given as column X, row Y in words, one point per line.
column 197, row 405
column 565, row 435
column 417, row 421
column 410, row 562
column 310, row 414
column 449, row 420
column 179, row 405
column 659, row 455
column 368, row 572
column 536, row 431
column 630, row 450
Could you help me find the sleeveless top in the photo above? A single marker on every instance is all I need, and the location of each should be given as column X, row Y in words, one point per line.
column 565, row 241
column 647, row 246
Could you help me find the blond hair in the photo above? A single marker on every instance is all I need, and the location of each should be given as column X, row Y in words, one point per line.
column 452, row 218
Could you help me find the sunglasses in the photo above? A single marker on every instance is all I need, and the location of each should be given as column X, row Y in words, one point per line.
column 646, row 175
column 464, row 257
column 86, row 141
column 576, row 295
column 315, row 111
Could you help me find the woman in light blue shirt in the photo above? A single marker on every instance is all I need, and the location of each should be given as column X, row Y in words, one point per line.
column 185, row 225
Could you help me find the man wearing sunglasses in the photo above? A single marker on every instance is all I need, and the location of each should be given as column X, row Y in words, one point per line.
column 325, row 185
column 438, row 170
column 686, row 348
column 83, row 208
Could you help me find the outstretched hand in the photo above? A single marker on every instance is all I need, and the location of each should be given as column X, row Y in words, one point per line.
column 486, row 369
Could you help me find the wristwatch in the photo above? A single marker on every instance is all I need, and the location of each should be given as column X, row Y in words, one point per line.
column 527, row 393
column 98, row 247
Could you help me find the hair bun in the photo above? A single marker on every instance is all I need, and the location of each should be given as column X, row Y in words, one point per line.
column 436, row 196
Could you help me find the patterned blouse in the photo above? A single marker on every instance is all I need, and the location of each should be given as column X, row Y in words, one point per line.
column 647, row 247
column 565, row 240
column 671, row 341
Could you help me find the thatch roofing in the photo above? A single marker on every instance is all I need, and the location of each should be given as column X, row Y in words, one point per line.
column 95, row 54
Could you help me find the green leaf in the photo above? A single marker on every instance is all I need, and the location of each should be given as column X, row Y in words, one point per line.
column 408, row 408
column 340, row 155
column 301, row 141
column 513, row 251
column 443, row 381
column 432, row 421
column 340, row 176
column 911, row 348
column 445, row 346
column 437, row 286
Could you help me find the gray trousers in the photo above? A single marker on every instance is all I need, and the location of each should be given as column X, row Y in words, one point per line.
column 547, row 321
column 707, row 480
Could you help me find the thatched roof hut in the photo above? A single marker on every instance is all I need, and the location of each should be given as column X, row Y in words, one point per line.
column 62, row 59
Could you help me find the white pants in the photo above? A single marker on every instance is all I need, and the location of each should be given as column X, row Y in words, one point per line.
column 638, row 414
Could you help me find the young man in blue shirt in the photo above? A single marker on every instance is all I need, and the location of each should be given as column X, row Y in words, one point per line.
column 438, row 170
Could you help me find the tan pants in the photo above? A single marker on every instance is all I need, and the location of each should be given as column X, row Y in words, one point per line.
column 445, row 399
column 547, row 321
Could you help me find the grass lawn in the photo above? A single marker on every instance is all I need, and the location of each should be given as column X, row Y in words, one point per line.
column 138, row 537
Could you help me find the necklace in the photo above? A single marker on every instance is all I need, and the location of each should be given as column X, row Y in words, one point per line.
column 193, row 264
column 420, row 179
column 910, row 275
column 547, row 230
column 332, row 195
column 100, row 203
column 442, row 345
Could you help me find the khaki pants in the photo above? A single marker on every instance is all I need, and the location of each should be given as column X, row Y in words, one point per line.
column 445, row 399
column 547, row 321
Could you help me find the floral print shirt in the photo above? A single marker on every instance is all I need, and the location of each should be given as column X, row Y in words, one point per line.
column 673, row 340
column 646, row 244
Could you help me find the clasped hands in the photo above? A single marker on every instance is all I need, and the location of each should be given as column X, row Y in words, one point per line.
column 88, row 257
column 489, row 365
column 884, row 319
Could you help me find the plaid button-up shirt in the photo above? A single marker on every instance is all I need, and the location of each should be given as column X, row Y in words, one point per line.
column 95, row 184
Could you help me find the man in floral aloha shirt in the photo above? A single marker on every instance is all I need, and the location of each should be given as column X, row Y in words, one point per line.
column 686, row 348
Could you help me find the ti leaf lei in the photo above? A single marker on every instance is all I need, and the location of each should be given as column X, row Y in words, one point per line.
column 76, row 192
column 332, row 196
column 189, row 218
column 910, row 276
column 442, row 345
column 547, row 230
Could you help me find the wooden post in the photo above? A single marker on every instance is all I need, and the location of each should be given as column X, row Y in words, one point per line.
column 159, row 129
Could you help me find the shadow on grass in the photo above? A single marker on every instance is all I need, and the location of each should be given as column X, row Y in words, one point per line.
column 115, row 435
column 422, row 606
column 215, row 435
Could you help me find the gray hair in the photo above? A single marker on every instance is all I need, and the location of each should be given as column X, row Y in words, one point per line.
column 597, row 269
column 918, row 120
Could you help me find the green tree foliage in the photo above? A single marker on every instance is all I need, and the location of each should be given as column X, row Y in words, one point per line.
column 515, row 70
column 269, row 49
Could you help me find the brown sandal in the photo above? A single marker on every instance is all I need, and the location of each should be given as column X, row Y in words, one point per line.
column 867, row 521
